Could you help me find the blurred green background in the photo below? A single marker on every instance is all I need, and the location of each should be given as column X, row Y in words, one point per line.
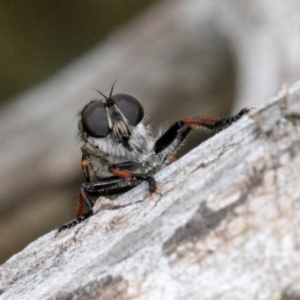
column 40, row 37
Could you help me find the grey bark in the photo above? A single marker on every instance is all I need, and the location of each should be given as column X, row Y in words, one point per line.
column 225, row 226
column 180, row 58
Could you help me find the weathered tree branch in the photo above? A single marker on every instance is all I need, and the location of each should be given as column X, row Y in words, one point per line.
column 224, row 227
column 179, row 58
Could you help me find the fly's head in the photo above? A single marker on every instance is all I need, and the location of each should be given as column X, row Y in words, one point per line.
column 114, row 119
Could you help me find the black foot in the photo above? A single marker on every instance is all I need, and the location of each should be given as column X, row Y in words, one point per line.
column 151, row 182
column 76, row 221
column 230, row 120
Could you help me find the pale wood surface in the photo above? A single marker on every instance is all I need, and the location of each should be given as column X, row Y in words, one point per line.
column 224, row 227
column 180, row 58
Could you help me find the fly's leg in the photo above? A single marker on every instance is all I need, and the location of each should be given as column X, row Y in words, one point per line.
column 167, row 144
column 214, row 123
column 129, row 170
column 104, row 187
column 83, row 199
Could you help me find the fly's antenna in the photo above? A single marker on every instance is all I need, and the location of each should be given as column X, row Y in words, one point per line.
column 101, row 94
column 112, row 88
column 108, row 101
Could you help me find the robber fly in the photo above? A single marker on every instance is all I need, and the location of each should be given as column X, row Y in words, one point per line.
column 119, row 152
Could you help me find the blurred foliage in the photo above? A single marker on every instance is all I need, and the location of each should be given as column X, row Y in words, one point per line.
column 39, row 37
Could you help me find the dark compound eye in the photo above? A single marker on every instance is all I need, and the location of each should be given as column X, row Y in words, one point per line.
column 94, row 119
column 130, row 107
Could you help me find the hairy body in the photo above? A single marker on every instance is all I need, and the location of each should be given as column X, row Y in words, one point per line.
column 119, row 152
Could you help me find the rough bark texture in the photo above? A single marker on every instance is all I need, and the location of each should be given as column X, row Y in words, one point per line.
column 224, row 227
column 180, row 58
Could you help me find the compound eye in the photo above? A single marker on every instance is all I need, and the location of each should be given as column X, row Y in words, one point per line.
column 94, row 120
column 130, row 107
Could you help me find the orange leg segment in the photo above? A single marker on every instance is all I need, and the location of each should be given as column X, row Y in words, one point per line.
column 121, row 173
column 80, row 206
